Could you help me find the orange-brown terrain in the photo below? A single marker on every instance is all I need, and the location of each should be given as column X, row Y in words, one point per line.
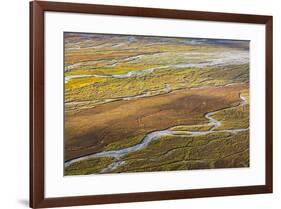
column 89, row 131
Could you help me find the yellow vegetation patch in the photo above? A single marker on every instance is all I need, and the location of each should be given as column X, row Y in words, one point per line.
column 81, row 82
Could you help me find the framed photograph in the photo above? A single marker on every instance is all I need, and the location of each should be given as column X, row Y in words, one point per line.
column 140, row 104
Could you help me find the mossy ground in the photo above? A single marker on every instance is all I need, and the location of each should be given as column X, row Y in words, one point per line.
column 88, row 166
column 127, row 142
column 215, row 150
column 202, row 127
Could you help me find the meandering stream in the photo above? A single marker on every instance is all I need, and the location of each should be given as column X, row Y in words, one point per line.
column 117, row 154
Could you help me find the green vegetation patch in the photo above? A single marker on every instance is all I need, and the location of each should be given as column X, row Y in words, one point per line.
column 204, row 127
column 91, row 166
column 182, row 133
column 125, row 143
column 214, row 150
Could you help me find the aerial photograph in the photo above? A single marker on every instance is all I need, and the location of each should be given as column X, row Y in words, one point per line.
column 136, row 103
